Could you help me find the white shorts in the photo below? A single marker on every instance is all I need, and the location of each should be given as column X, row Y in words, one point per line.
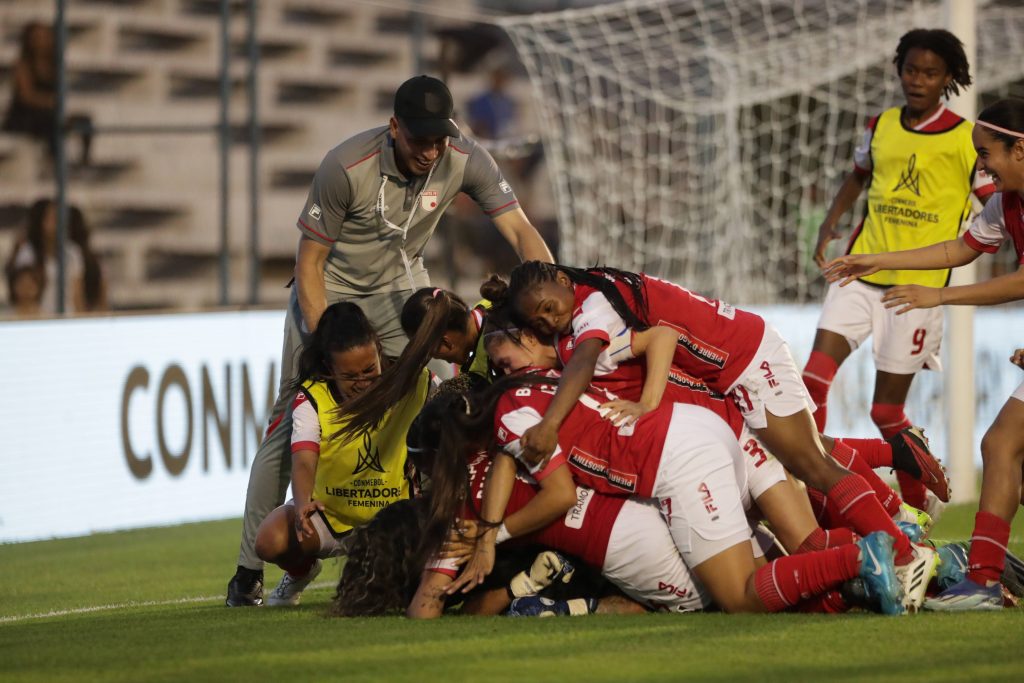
column 903, row 344
column 331, row 544
column 763, row 470
column 643, row 562
column 770, row 383
column 699, row 485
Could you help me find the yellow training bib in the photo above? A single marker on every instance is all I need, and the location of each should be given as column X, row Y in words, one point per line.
column 919, row 194
column 356, row 479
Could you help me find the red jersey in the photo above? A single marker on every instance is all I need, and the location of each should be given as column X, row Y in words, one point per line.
column 626, row 380
column 716, row 340
column 609, row 459
column 1001, row 219
column 583, row 532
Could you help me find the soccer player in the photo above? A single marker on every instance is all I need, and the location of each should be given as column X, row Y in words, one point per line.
column 338, row 482
column 999, row 140
column 684, row 456
column 372, row 207
column 733, row 351
column 918, row 164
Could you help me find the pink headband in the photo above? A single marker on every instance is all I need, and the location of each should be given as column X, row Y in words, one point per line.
column 436, row 292
column 986, row 124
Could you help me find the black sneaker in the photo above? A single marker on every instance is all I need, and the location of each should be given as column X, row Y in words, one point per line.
column 245, row 589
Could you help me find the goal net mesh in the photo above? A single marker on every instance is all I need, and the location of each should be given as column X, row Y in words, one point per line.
column 702, row 141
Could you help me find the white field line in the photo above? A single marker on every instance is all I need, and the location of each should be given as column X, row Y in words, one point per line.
column 126, row 605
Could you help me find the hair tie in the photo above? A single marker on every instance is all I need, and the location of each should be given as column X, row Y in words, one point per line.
column 436, row 292
column 1007, row 131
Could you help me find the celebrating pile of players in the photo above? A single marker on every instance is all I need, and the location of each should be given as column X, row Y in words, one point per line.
column 589, row 439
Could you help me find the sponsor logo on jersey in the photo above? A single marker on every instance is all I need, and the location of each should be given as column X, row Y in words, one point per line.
column 598, row 467
column 505, row 187
column 369, row 457
column 502, row 434
column 574, row 517
column 315, row 212
column 428, row 200
column 910, row 179
column 622, row 480
column 701, row 349
column 726, row 310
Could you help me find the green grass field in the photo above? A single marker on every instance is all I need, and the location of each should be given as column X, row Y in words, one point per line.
column 147, row 605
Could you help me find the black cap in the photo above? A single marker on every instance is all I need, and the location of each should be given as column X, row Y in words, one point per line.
column 425, row 107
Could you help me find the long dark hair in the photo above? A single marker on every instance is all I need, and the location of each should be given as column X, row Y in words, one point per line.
column 426, row 316
column 530, row 274
column 342, row 326
column 1006, row 113
column 384, row 564
column 449, row 429
column 945, row 45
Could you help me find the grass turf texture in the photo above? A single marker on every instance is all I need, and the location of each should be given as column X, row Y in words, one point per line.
column 160, row 618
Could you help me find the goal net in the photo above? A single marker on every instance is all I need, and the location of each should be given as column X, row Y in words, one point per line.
column 702, row 140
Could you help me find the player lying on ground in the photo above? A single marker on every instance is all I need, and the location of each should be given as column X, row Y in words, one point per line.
column 684, row 456
column 781, row 501
column 733, row 351
column 337, row 482
column 921, row 145
column 999, row 140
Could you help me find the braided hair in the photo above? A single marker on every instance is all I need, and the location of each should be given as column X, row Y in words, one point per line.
column 530, row 274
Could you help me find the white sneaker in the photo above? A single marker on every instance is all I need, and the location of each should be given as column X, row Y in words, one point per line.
column 915, row 576
column 288, row 592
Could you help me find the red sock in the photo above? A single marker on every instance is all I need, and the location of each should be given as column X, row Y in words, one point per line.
column 830, row 602
column 988, row 548
column 300, row 569
column 820, row 539
column 891, row 420
column 784, row 582
column 818, row 375
column 913, row 490
column 859, row 505
column 875, row 452
column 847, row 457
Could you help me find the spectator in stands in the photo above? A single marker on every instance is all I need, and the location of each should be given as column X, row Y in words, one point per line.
column 25, row 287
column 373, row 206
column 32, row 108
column 36, row 250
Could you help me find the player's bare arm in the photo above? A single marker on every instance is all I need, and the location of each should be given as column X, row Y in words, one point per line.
column 557, row 494
column 303, row 475
column 948, row 254
column 524, row 238
column 844, row 200
column 539, row 441
column 999, row 290
column 309, row 280
column 428, row 602
column 497, row 491
column 657, row 345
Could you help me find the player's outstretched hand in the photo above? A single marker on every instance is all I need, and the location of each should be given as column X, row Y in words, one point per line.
column 461, row 541
column 908, row 297
column 538, row 443
column 303, row 523
column 623, row 413
column 825, row 235
column 476, row 570
column 850, row 267
column 1018, row 358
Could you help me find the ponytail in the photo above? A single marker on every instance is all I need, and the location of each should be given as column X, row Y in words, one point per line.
column 426, row 316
